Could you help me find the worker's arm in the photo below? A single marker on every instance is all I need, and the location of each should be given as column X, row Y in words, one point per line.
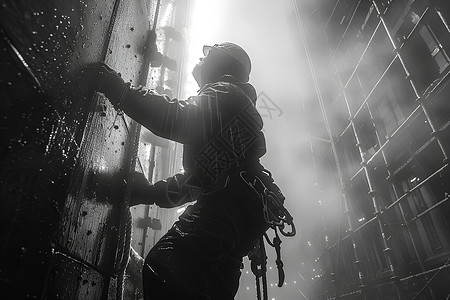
column 182, row 121
column 172, row 192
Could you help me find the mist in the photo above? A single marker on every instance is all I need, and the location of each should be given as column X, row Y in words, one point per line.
column 268, row 31
column 354, row 99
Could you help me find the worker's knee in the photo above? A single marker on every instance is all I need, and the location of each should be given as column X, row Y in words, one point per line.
column 158, row 286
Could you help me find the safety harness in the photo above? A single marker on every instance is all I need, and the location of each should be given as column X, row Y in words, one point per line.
column 276, row 217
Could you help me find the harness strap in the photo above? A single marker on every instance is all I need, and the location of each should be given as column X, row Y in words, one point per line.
column 258, row 265
column 258, row 288
column 275, row 214
column 276, row 243
column 279, row 262
column 276, row 217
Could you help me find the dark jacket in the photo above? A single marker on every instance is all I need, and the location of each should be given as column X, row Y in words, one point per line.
column 220, row 128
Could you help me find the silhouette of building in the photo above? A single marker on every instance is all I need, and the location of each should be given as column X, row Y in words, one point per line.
column 379, row 119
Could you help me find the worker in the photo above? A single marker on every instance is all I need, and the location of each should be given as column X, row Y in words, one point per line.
column 200, row 257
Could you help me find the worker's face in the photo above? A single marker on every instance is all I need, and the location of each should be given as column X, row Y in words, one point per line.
column 197, row 72
column 203, row 71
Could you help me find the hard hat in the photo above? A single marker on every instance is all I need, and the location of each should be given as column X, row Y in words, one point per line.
column 235, row 52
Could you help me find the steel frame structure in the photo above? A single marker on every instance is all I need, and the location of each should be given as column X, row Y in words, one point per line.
column 366, row 287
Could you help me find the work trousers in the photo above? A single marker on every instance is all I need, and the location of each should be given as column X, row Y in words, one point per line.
column 201, row 255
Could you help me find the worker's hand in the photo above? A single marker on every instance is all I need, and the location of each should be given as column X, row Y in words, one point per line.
column 141, row 190
column 105, row 80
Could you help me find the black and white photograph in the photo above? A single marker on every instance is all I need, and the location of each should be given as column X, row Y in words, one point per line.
column 225, row 150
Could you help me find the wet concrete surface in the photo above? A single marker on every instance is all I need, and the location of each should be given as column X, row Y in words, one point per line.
column 66, row 153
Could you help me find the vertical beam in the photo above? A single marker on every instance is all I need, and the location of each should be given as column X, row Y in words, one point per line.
column 147, row 207
column 373, row 193
column 394, row 189
column 344, row 199
column 115, row 211
column 420, row 99
column 419, row 96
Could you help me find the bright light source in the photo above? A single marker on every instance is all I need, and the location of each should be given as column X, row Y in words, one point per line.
column 203, row 28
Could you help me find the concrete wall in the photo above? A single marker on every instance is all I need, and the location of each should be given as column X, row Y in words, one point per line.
column 66, row 153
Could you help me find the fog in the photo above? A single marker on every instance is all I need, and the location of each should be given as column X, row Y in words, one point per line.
column 67, row 150
column 269, row 32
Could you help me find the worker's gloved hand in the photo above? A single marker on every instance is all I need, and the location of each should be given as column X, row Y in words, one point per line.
column 141, row 190
column 105, row 80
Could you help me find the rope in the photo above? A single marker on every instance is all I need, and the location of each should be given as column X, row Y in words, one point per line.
column 275, row 214
column 258, row 266
column 258, row 288
column 276, row 217
column 279, row 262
column 276, row 243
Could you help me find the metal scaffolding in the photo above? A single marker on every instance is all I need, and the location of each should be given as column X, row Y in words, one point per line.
column 367, row 287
